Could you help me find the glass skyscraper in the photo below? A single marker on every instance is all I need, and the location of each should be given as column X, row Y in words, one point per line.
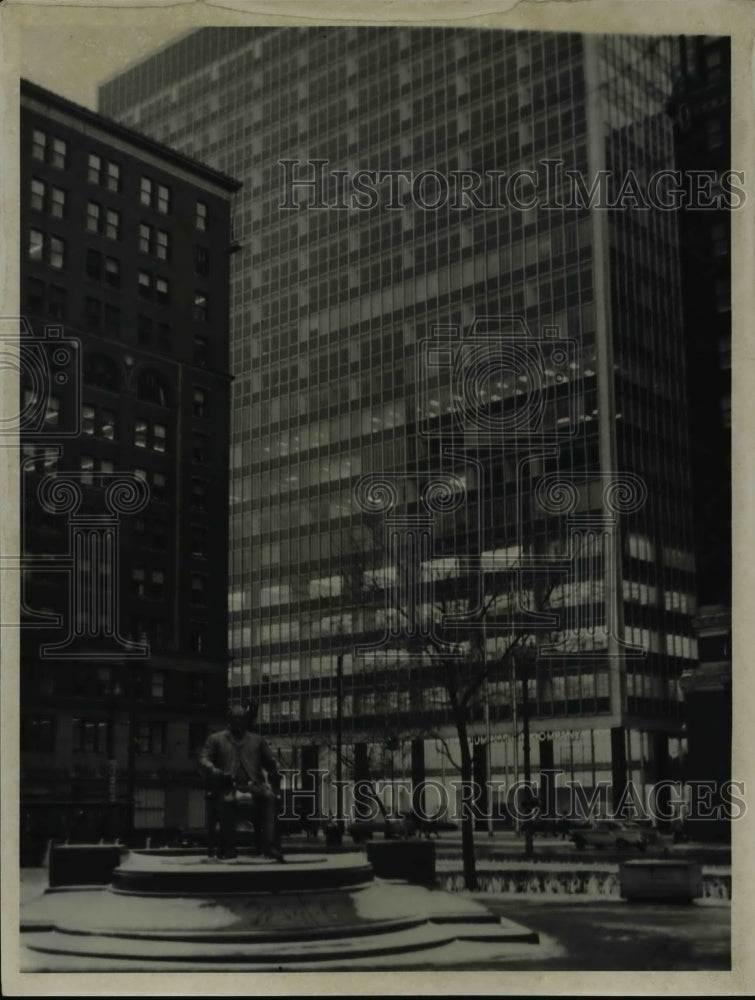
column 457, row 350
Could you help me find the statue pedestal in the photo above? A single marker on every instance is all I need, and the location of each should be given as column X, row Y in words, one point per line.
column 169, row 912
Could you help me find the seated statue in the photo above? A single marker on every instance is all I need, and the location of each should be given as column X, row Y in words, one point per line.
column 236, row 764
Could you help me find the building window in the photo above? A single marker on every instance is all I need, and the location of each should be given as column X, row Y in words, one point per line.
column 199, row 494
column 159, row 535
column 86, row 464
column 159, row 485
column 113, row 182
column 200, row 306
column 56, row 154
column 112, row 272
column 202, row 260
column 107, row 425
column 113, row 224
column 202, row 217
column 98, row 422
column 198, row 541
column 200, row 402
column 197, row 589
column 149, row 808
column 87, row 419
column 41, row 298
column 138, row 578
column 159, row 437
column 198, row 689
column 157, row 634
column 57, row 206
column 199, row 450
column 59, row 153
column 163, row 199
column 94, row 265
column 162, row 293
column 152, row 388
column 92, row 314
column 89, row 465
column 149, row 435
column 200, row 351
column 94, row 168
column 145, row 284
column 56, row 249
column 39, row 145
column 38, row 733
column 146, row 191
column 90, row 736
column 162, row 245
column 102, row 372
column 37, row 200
column 150, row 738
column 198, row 638
column 36, row 245
column 145, row 237
column 57, row 253
column 158, row 683
column 52, row 411
column 94, row 217
column 35, row 295
column 140, row 434
column 157, row 583
column 56, row 302
column 103, row 682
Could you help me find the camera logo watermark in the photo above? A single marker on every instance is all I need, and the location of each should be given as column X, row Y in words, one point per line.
column 498, row 360
column 47, row 367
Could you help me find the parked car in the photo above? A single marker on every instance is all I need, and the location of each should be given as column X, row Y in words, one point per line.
column 362, row 830
column 550, row 827
column 611, row 833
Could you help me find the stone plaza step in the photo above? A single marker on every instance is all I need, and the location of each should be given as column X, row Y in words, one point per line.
column 172, row 911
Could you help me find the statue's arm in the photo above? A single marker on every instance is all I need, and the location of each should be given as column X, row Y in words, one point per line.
column 208, row 755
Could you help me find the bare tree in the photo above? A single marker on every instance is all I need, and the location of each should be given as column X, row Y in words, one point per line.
column 471, row 639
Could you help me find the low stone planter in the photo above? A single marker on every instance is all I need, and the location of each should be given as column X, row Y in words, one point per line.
column 411, row 860
column 599, row 881
column 83, row 864
column 661, row 881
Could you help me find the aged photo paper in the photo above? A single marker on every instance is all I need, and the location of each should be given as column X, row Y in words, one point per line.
column 71, row 49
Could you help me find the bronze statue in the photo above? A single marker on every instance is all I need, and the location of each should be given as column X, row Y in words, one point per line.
column 237, row 763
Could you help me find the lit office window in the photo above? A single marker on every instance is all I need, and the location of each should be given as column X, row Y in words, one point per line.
column 146, row 189
column 94, row 168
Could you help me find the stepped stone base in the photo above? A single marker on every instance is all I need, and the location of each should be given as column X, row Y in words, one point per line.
column 173, row 912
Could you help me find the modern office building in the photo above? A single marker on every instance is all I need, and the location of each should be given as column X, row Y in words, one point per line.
column 124, row 432
column 457, row 379
column 701, row 111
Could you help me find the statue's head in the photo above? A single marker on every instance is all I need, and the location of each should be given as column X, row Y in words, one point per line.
column 239, row 717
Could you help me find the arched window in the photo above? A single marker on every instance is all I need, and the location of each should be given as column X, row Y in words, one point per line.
column 101, row 371
column 153, row 388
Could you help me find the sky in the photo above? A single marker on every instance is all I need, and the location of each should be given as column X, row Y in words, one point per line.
column 72, row 63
